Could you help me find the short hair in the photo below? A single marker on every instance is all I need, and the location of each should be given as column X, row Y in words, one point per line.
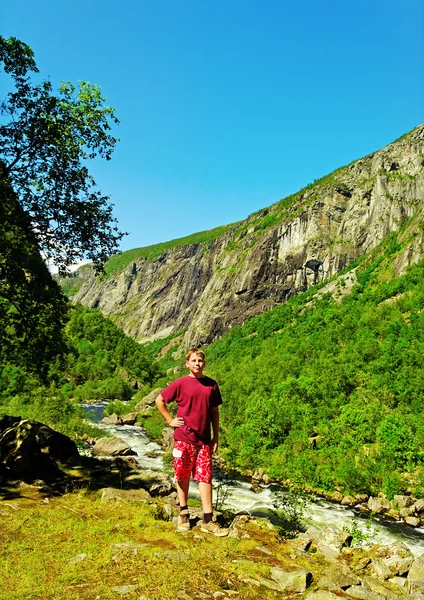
column 195, row 351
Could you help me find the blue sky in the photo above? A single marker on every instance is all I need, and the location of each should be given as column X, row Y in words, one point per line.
column 226, row 107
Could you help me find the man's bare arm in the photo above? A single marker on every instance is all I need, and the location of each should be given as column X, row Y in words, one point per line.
column 160, row 403
column 215, row 427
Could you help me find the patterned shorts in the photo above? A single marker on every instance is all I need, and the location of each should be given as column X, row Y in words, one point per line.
column 192, row 460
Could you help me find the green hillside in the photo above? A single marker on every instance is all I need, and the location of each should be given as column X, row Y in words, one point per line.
column 328, row 390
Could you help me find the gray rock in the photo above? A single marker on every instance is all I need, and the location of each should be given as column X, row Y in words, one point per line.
column 148, row 400
column 325, row 583
column 335, row 538
column 112, row 446
column 167, row 438
column 403, row 501
column 126, row 549
column 124, row 589
column 322, row 595
column 401, row 582
column 331, row 554
column 416, row 571
column 418, row 506
column 406, row 512
column 378, row 587
column 173, row 555
column 111, row 420
column 364, row 593
column 292, row 582
column 31, row 449
column 341, row 576
column 116, row 495
column 302, row 542
column 413, row 521
column 378, row 505
column 380, row 569
column 349, row 501
column 156, row 483
column 397, row 557
column 129, row 418
column 77, row 559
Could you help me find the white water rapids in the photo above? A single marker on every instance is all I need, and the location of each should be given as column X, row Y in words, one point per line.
column 318, row 513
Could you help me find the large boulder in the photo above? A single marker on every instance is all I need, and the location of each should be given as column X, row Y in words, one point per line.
column 31, row 450
column 111, row 420
column 112, row 446
column 156, row 483
column 378, row 505
column 397, row 557
column 148, row 400
column 129, row 418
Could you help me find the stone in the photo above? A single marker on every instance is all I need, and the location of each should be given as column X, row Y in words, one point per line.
column 401, row 582
column 380, row 569
column 124, row 589
column 363, row 593
column 77, row 559
column 349, row 501
column 341, row 576
column 378, row 505
column 111, row 420
column 167, row 438
column 322, row 595
column 155, row 482
column 173, row 555
column 362, row 564
column 378, row 587
column 361, row 498
column 325, row 583
column 302, row 542
column 331, row 541
column 126, row 549
column 148, row 400
column 397, row 557
column 129, row 418
column 292, row 581
column 403, row 501
column 413, row 521
column 31, row 450
column 418, row 506
column 416, row 571
column 112, row 446
column 117, row 495
column 406, row 512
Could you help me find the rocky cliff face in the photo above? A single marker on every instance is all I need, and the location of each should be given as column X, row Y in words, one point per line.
column 204, row 289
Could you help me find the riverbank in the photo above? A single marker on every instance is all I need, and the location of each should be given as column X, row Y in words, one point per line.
column 110, row 544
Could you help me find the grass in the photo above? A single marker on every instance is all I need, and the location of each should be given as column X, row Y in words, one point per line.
column 41, row 541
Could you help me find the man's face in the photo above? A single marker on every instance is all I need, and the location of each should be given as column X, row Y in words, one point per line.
column 196, row 364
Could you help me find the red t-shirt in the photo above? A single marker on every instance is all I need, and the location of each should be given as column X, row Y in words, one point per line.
column 195, row 398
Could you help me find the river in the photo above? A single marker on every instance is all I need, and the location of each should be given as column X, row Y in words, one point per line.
column 318, row 512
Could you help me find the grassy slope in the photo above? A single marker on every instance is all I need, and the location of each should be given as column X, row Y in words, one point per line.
column 39, row 541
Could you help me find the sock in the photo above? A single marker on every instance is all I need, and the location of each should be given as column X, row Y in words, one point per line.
column 183, row 508
column 207, row 517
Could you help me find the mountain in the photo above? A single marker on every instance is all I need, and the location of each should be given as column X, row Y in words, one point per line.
column 205, row 284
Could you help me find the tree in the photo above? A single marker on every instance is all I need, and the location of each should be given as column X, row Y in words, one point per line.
column 46, row 139
column 33, row 310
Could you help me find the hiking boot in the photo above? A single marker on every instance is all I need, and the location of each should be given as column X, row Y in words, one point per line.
column 215, row 528
column 183, row 521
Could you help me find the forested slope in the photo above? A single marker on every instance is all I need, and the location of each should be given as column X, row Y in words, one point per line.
column 100, row 363
column 328, row 389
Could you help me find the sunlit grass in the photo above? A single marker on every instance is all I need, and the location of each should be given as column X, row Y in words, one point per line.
column 39, row 543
